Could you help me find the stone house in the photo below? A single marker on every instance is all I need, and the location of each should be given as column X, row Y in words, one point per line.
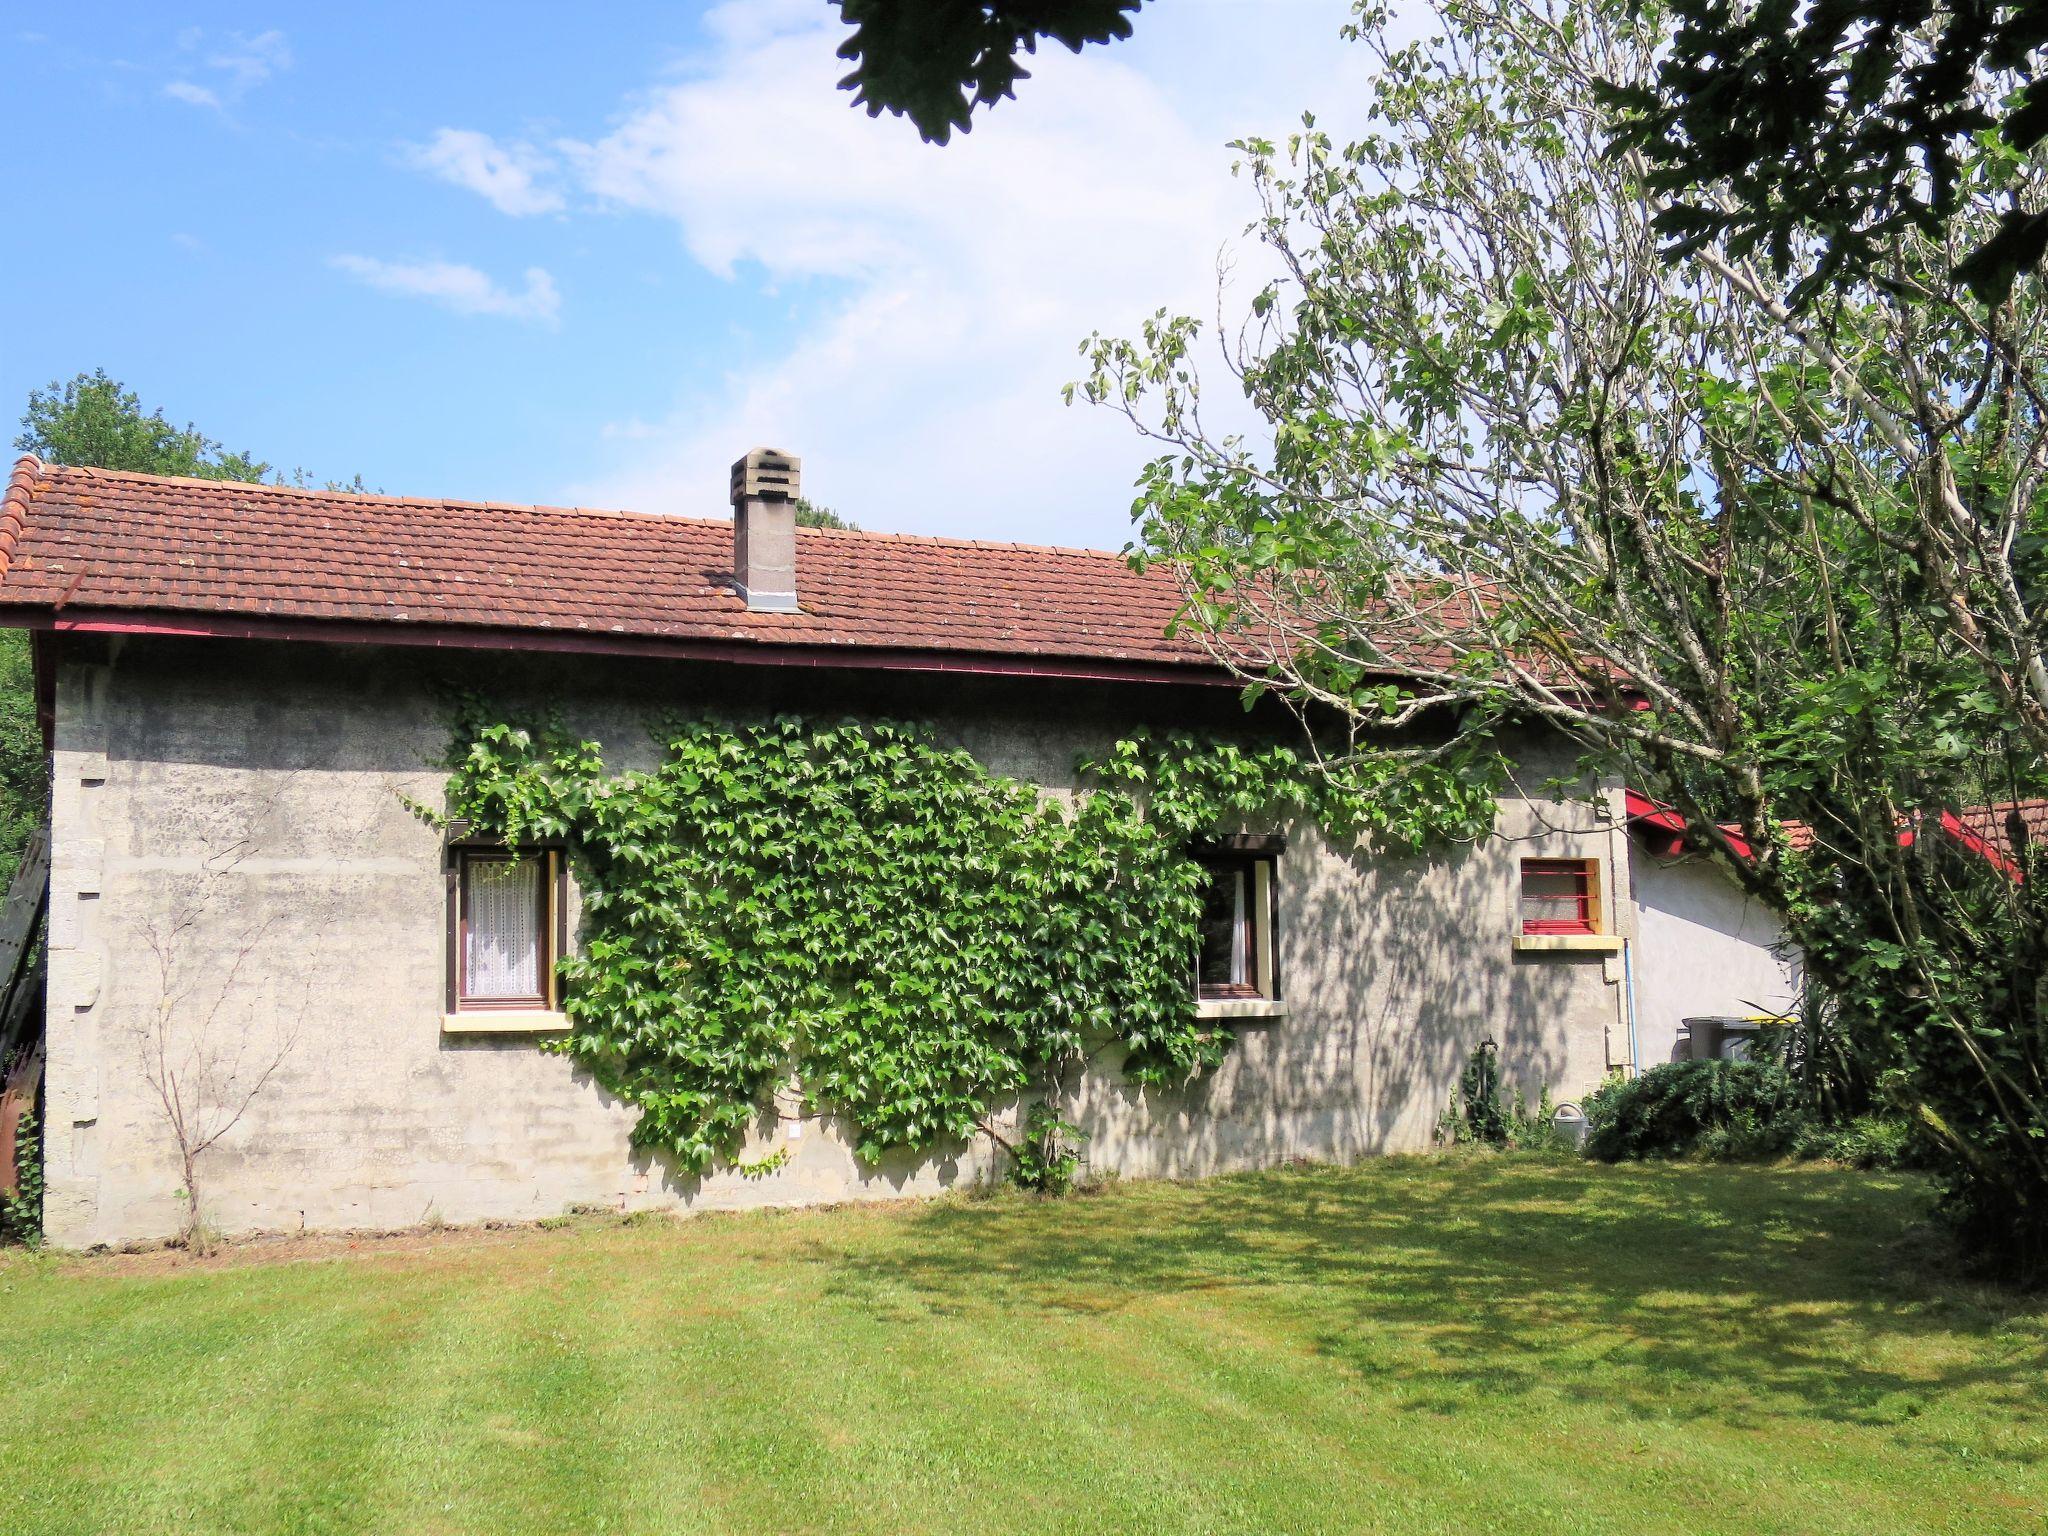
column 243, row 686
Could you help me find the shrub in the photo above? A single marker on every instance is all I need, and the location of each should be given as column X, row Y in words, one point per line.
column 1477, row 1114
column 1868, row 1141
column 1719, row 1109
column 1048, row 1157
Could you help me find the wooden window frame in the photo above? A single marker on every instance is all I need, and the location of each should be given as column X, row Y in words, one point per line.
column 1258, row 859
column 1590, row 920
column 552, row 927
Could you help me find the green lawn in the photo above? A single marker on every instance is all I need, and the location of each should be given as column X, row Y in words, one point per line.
column 1411, row 1346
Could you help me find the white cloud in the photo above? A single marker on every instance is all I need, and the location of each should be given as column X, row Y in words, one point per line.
column 192, row 95
column 463, row 289
column 927, row 397
column 238, row 66
column 508, row 176
column 249, row 61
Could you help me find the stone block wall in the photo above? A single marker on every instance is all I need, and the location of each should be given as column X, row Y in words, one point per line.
column 237, row 881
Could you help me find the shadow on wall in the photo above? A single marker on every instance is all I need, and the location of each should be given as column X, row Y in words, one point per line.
column 1394, row 970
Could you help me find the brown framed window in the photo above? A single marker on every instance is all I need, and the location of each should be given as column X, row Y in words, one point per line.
column 1234, row 957
column 1560, row 896
column 504, row 919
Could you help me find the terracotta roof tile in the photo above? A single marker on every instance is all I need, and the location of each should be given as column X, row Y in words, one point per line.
column 106, row 541
column 1992, row 823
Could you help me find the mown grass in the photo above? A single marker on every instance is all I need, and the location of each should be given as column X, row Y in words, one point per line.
column 1411, row 1346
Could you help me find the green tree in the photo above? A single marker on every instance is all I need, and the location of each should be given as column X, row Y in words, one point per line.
column 1766, row 565
column 935, row 61
column 23, row 773
column 810, row 515
column 92, row 420
column 1814, row 134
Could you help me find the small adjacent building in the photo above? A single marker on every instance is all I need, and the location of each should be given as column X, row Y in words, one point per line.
column 1707, row 960
column 245, row 686
column 1708, row 963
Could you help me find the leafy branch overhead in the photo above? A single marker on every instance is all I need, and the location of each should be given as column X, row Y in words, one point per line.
column 1813, row 135
column 935, row 61
column 802, row 918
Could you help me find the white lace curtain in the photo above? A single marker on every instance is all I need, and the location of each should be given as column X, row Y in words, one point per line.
column 503, row 910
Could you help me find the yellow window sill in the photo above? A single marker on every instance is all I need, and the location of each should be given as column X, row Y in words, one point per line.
column 1598, row 943
column 1240, row 1008
column 506, row 1021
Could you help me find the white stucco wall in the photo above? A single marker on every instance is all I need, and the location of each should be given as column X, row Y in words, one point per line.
column 1703, row 948
column 232, row 844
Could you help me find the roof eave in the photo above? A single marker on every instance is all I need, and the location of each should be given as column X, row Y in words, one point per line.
column 173, row 624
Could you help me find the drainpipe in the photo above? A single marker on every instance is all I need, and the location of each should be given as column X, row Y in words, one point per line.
column 1620, row 852
column 1628, row 1003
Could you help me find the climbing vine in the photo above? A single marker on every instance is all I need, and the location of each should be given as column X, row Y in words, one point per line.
column 21, row 1213
column 856, row 915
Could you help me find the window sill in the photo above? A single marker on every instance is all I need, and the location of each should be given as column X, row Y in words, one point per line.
column 1240, row 1008
column 1597, row 943
column 505, row 1021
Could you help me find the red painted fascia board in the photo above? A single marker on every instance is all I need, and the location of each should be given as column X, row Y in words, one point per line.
column 1641, row 807
column 489, row 638
column 1954, row 827
column 1644, row 812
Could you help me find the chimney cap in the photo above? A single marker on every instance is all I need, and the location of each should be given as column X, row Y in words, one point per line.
column 766, row 474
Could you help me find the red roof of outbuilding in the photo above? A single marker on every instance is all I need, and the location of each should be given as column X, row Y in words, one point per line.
column 1985, row 830
column 1992, row 824
column 93, row 548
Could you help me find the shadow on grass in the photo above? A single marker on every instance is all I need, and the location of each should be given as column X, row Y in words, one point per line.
column 1737, row 1294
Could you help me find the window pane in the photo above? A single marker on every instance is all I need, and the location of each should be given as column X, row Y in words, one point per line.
column 502, row 904
column 1223, row 961
column 1555, row 897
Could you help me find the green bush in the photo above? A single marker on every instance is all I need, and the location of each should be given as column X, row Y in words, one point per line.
column 1868, row 1141
column 1720, row 1109
column 1477, row 1114
column 1048, row 1158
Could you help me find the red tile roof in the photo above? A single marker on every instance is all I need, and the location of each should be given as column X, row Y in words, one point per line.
column 93, row 542
column 1993, row 823
column 1982, row 828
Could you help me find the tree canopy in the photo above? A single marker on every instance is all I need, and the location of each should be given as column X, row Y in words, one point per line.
column 1516, row 463
column 810, row 515
column 1814, row 133
column 935, row 61
column 93, row 420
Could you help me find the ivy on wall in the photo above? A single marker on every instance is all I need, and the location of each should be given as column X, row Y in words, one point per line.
column 912, row 939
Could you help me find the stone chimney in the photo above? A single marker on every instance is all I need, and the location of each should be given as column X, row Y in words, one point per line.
column 765, row 485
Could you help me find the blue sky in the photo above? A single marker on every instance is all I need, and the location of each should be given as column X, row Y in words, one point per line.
column 501, row 252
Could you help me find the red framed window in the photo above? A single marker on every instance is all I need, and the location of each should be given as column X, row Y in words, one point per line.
column 1560, row 896
column 1233, row 958
column 504, row 911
